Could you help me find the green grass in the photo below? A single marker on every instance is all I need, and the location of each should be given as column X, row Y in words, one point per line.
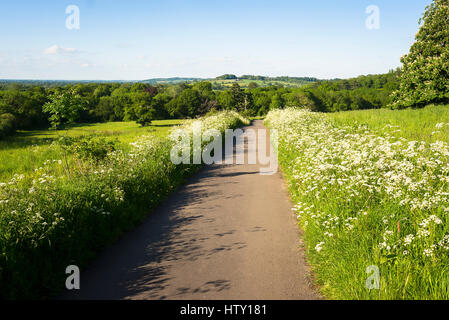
column 366, row 198
column 411, row 124
column 28, row 150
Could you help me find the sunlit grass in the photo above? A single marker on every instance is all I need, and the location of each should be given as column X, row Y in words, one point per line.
column 411, row 124
column 370, row 190
column 30, row 149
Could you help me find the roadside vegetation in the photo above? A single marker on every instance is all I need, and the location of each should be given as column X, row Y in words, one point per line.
column 368, row 199
column 371, row 187
column 63, row 213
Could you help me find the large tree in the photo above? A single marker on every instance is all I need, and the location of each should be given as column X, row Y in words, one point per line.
column 425, row 71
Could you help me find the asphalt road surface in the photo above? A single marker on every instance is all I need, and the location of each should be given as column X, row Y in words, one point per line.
column 228, row 233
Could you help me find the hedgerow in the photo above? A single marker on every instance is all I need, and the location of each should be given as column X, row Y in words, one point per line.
column 51, row 219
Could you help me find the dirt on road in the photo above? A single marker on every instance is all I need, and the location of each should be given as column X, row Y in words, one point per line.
column 228, row 233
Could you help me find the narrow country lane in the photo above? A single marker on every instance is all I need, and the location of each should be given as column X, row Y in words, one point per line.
column 228, row 233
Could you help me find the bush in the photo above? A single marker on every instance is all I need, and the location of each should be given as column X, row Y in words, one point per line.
column 91, row 148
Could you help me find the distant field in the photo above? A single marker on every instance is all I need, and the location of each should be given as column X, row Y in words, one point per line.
column 429, row 124
column 30, row 149
column 261, row 83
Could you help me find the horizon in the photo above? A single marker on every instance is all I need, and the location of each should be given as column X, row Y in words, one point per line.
column 175, row 77
column 50, row 40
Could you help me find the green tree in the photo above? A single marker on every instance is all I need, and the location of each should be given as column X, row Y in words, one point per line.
column 277, row 102
column 104, row 111
column 225, row 100
column 238, row 96
column 425, row 70
column 145, row 115
column 189, row 102
column 7, row 124
column 253, row 85
column 120, row 100
column 64, row 108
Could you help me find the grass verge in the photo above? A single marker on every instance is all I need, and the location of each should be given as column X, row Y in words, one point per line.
column 49, row 220
column 373, row 207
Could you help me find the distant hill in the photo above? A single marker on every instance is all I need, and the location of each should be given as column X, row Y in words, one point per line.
column 220, row 82
column 227, row 80
column 171, row 80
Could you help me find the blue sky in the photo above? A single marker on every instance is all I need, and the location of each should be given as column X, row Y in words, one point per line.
column 140, row 39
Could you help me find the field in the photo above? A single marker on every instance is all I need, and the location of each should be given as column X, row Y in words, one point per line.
column 28, row 150
column 371, row 191
column 429, row 124
column 261, row 83
column 64, row 213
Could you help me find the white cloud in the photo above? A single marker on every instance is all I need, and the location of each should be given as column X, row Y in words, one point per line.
column 55, row 49
column 85, row 65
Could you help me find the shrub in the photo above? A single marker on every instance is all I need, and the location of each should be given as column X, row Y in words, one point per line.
column 91, row 148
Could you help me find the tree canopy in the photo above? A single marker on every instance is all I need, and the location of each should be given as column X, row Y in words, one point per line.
column 425, row 69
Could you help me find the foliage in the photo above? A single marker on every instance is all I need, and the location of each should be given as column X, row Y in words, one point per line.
column 92, row 148
column 364, row 92
column 227, row 77
column 25, row 106
column 425, row 69
column 64, row 108
column 7, row 124
column 89, row 102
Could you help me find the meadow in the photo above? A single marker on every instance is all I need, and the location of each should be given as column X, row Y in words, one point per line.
column 371, row 192
column 27, row 150
column 429, row 124
column 62, row 214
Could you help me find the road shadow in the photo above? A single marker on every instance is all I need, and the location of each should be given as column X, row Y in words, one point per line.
column 138, row 265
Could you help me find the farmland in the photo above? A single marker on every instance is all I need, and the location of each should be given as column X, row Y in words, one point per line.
column 371, row 193
column 245, row 83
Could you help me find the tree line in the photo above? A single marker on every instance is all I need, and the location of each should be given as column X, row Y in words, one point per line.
column 22, row 105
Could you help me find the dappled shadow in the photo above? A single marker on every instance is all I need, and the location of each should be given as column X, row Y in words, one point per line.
column 141, row 265
column 216, row 286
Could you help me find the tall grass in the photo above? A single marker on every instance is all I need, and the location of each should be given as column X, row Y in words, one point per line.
column 429, row 124
column 49, row 220
column 367, row 199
